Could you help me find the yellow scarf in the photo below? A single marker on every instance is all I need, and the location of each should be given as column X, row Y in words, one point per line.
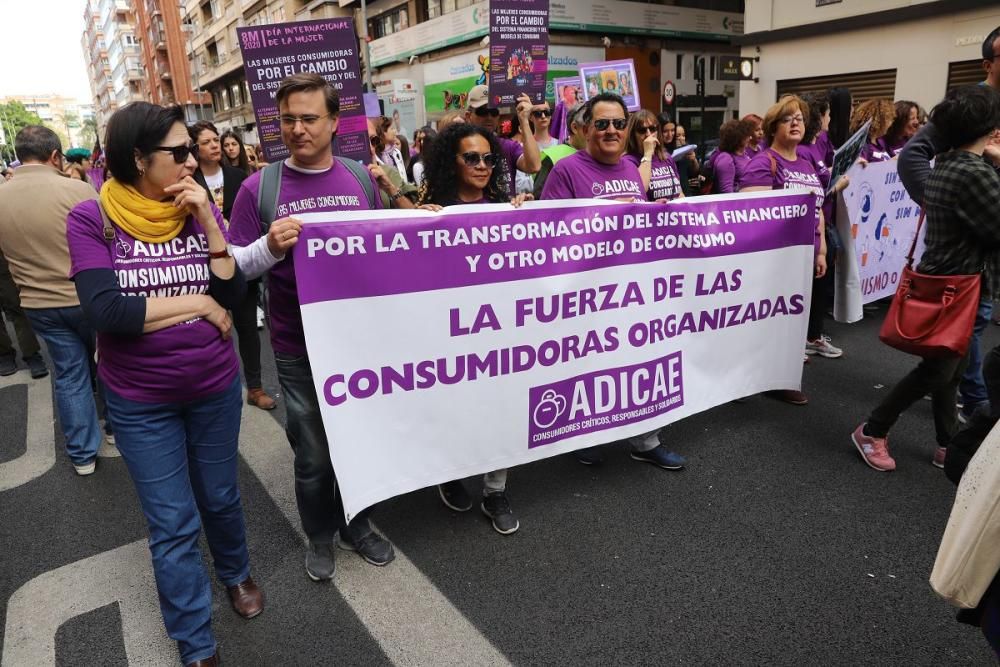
column 142, row 218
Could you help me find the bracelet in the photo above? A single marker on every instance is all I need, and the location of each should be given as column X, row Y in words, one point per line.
column 399, row 194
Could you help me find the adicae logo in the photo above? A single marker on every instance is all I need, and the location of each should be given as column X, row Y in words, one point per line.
column 597, row 189
column 549, row 408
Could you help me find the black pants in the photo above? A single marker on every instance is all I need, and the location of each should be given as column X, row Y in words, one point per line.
column 938, row 377
column 821, row 296
column 245, row 323
column 10, row 301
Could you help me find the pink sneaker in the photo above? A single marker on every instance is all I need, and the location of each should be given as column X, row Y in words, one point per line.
column 939, row 455
column 875, row 451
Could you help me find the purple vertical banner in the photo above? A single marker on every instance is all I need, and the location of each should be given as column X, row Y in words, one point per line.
column 519, row 50
column 613, row 76
column 328, row 47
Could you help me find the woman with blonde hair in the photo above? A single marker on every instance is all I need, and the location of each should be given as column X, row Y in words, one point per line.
column 449, row 118
column 882, row 114
column 780, row 166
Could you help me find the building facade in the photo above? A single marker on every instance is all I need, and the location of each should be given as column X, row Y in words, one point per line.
column 65, row 114
column 898, row 49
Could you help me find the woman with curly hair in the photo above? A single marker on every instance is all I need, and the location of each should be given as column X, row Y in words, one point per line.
column 905, row 125
column 727, row 163
column 464, row 167
column 882, row 113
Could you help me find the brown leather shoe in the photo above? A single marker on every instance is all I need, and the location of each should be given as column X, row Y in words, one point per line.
column 247, row 599
column 205, row 662
column 259, row 398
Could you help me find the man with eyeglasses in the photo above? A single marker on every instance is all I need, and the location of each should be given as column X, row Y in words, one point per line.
column 598, row 171
column 310, row 181
column 982, row 376
column 33, row 211
column 576, row 140
column 516, row 157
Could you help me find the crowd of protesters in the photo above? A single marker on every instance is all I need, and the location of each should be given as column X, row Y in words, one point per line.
column 166, row 386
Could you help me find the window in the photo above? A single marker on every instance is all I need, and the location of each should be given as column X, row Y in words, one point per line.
column 234, row 90
column 278, row 15
column 225, row 99
column 389, row 22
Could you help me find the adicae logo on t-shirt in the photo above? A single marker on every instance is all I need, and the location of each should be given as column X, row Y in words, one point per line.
column 598, row 189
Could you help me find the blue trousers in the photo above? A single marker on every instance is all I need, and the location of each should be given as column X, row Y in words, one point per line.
column 182, row 458
column 71, row 344
column 972, row 388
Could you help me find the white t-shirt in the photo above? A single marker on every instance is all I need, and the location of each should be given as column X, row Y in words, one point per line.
column 215, row 185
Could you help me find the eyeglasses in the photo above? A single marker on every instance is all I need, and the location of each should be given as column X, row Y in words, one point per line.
column 308, row 120
column 487, row 111
column 785, row 120
column 645, row 129
column 180, row 153
column 602, row 123
column 472, row 159
column 541, row 113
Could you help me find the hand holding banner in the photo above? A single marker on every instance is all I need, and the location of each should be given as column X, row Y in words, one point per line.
column 447, row 344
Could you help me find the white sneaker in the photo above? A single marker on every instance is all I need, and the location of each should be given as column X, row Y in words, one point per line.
column 823, row 348
column 86, row 468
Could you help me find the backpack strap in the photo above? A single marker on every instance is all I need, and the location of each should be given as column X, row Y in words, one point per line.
column 363, row 177
column 268, row 191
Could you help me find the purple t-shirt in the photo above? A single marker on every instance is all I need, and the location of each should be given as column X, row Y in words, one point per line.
column 335, row 189
column 183, row 362
column 512, row 151
column 875, row 152
column 893, row 149
column 579, row 176
column 816, row 154
column 727, row 170
column 664, row 182
column 786, row 174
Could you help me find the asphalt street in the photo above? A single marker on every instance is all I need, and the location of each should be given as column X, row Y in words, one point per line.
column 776, row 546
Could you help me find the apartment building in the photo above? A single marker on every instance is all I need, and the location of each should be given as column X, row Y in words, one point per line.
column 898, row 49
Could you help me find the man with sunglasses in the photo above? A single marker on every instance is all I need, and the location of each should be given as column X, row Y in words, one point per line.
column 311, row 180
column 598, row 171
column 914, row 169
column 526, row 158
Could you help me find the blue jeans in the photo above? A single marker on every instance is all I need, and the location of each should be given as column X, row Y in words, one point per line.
column 182, row 458
column 71, row 344
column 321, row 508
column 972, row 388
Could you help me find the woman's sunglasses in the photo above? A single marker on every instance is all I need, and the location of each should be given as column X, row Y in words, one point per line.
column 541, row 113
column 180, row 153
column 472, row 159
column 645, row 129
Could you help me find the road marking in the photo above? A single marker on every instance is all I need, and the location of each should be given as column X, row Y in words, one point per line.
column 40, row 451
column 405, row 613
column 123, row 575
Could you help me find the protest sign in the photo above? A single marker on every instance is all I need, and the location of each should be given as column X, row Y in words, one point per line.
column 449, row 344
column 613, row 76
column 876, row 220
column 327, row 47
column 519, row 50
column 568, row 90
column 845, row 156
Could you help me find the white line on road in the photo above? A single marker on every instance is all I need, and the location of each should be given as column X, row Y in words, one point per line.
column 412, row 621
column 123, row 575
column 40, row 451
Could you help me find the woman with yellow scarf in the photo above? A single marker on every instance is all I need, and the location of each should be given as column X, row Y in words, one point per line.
column 155, row 278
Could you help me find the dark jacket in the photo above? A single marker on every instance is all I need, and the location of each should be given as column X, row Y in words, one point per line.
column 232, row 179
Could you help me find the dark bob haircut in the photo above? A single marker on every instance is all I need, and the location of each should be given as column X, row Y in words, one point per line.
column 588, row 111
column 200, row 127
column 307, row 82
column 967, row 114
column 139, row 126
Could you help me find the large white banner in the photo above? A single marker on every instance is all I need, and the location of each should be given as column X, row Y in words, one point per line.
column 484, row 337
column 876, row 220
